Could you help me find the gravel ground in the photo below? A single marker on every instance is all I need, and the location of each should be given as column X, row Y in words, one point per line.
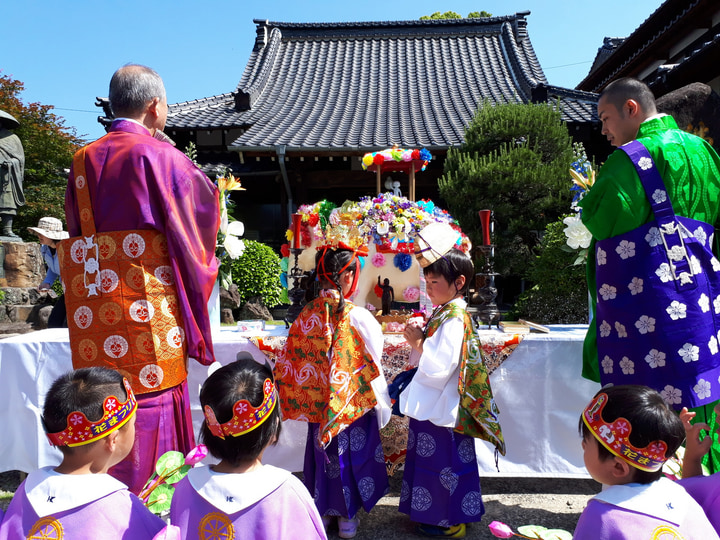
column 551, row 502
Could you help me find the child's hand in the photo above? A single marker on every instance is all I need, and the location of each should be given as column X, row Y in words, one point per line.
column 695, row 449
column 415, row 337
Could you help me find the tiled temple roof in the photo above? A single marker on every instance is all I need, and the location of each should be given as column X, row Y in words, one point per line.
column 365, row 85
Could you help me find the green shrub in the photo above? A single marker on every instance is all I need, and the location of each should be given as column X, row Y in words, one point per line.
column 559, row 293
column 256, row 273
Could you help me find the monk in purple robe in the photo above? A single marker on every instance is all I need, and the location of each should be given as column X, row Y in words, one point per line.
column 137, row 181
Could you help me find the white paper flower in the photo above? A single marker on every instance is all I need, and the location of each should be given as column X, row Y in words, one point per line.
column 653, row 237
column 636, row 286
column 655, row 358
column 645, row 324
column 625, row 249
column 671, row 395
column 704, row 303
column 676, row 310
column 578, row 235
column 234, row 246
column 702, row 389
column 383, row 227
column 608, row 292
column 689, row 353
column 607, row 365
column 627, row 366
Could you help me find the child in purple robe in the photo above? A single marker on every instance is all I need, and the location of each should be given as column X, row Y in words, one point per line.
column 89, row 414
column 628, row 433
column 704, row 489
column 240, row 497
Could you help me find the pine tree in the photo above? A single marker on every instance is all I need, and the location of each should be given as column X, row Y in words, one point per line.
column 514, row 161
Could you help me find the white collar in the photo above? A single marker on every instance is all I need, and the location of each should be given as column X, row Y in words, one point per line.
column 662, row 499
column 132, row 120
column 50, row 492
column 232, row 492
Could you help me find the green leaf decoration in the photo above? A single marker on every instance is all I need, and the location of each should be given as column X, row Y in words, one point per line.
column 556, row 534
column 160, row 499
column 172, row 466
column 533, row 531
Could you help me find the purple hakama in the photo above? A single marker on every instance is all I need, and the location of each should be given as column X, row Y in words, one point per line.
column 78, row 507
column 441, row 483
column 163, row 423
column 267, row 503
column 350, row 470
column 661, row 509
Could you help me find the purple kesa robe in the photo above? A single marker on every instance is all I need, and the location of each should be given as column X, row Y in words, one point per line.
column 82, row 507
column 267, row 503
column 662, row 509
column 138, row 182
column 706, row 491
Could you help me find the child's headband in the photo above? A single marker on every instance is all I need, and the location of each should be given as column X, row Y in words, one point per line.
column 615, row 436
column 245, row 416
column 81, row 431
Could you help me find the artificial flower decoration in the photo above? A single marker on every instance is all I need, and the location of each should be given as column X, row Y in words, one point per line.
column 228, row 239
column 411, row 294
column 500, row 530
column 396, row 155
column 582, row 175
column 378, row 260
column 170, row 468
column 402, row 261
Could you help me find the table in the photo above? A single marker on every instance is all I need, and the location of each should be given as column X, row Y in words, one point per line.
column 538, row 389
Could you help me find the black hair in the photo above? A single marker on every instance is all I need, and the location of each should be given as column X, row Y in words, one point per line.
column 620, row 90
column 651, row 420
column 451, row 266
column 333, row 261
column 242, row 379
column 82, row 390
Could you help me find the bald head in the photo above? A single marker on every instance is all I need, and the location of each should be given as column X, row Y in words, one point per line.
column 624, row 104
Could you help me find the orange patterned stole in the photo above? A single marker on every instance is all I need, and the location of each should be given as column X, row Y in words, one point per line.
column 335, row 392
column 121, row 297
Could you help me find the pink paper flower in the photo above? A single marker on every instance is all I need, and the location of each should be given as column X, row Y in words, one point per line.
column 500, row 530
column 411, row 294
column 378, row 260
column 196, row 455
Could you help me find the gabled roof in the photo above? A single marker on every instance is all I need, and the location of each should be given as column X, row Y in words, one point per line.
column 364, row 85
column 680, row 34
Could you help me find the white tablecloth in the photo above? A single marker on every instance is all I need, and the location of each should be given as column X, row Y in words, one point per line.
column 538, row 389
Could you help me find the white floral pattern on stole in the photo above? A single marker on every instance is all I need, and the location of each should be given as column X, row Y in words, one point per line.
column 655, row 359
column 659, row 196
column 645, row 163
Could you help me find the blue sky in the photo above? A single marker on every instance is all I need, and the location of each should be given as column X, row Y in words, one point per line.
column 66, row 52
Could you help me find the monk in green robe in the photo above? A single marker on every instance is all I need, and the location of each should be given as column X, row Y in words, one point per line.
column 616, row 203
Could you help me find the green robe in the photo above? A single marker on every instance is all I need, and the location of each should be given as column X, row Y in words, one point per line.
column 617, row 203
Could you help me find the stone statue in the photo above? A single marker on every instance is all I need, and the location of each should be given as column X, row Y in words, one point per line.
column 12, row 166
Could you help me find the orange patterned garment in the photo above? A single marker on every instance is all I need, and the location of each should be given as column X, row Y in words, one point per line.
column 323, row 375
column 122, row 304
